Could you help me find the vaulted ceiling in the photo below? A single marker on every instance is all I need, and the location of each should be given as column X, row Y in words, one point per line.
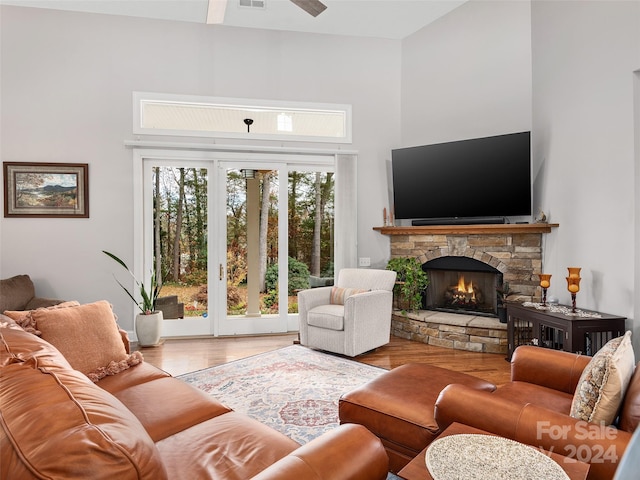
column 394, row 19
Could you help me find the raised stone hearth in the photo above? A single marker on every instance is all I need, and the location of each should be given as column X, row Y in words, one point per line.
column 515, row 250
column 451, row 330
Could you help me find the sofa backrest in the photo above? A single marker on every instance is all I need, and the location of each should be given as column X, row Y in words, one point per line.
column 15, row 292
column 630, row 411
column 57, row 423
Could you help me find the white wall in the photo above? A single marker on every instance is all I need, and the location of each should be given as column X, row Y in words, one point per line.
column 584, row 56
column 67, row 80
column 468, row 74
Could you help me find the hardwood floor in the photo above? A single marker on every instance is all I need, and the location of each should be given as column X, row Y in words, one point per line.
column 179, row 356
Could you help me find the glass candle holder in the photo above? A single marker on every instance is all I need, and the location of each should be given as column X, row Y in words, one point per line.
column 545, row 282
column 573, row 285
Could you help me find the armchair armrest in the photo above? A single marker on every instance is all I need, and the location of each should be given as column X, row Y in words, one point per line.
column 349, row 452
column 367, row 320
column 311, row 298
column 307, row 300
column 375, row 302
column 371, row 310
column 553, row 369
column 477, row 408
column 600, row 446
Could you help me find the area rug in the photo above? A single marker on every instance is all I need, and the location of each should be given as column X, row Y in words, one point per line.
column 294, row 390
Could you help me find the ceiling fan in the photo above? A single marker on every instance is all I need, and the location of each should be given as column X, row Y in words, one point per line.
column 216, row 9
column 312, row 7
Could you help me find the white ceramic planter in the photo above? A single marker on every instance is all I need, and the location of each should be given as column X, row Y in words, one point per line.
column 149, row 329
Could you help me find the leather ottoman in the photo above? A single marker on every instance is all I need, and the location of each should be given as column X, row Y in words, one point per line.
column 398, row 407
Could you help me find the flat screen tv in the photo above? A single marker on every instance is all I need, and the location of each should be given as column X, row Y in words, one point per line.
column 479, row 180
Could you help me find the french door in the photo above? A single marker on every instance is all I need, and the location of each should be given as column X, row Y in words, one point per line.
column 177, row 232
column 254, row 227
column 216, row 225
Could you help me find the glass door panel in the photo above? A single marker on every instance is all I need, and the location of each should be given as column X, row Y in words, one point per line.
column 310, row 231
column 253, row 240
column 180, row 247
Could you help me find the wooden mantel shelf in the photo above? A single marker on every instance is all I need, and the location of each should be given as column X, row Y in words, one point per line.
column 500, row 228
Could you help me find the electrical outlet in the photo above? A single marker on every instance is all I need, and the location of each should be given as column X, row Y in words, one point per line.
column 364, row 262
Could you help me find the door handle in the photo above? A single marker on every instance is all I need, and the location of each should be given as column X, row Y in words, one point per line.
column 221, row 272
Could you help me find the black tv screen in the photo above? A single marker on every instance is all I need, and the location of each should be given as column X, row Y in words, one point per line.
column 479, row 177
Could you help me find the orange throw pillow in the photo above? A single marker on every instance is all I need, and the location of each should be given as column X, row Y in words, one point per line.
column 24, row 318
column 87, row 335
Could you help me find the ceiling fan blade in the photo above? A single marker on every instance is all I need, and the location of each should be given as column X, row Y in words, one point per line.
column 312, row 7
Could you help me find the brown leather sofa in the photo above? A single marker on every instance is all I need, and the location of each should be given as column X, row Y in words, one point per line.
column 144, row 424
column 533, row 408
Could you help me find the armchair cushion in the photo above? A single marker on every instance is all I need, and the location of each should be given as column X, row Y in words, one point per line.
column 327, row 316
column 88, row 337
column 340, row 294
column 604, row 382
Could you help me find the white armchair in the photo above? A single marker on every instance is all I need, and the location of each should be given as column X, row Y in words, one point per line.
column 350, row 318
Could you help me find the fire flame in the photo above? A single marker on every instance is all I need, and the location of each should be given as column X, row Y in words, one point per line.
column 463, row 288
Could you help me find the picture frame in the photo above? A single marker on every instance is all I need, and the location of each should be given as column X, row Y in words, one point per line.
column 57, row 190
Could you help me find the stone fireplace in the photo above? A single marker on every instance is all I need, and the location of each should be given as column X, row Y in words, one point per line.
column 462, row 312
column 462, row 285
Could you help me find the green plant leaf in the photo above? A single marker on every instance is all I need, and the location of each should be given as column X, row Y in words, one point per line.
column 117, row 260
column 149, row 297
column 411, row 280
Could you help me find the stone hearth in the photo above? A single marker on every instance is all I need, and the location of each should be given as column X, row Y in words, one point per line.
column 514, row 250
column 451, row 330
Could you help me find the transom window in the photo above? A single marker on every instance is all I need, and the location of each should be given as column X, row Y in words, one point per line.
column 185, row 115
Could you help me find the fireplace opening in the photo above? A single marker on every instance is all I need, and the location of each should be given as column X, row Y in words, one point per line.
column 462, row 285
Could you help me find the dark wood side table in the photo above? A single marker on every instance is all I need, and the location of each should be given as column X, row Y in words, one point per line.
column 571, row 333
column 416, row 469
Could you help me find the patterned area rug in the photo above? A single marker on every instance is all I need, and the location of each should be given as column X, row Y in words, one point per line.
column 294, row 390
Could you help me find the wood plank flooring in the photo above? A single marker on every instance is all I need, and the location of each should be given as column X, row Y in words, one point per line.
column 179, row 356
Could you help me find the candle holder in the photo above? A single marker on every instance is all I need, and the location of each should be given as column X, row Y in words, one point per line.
column 573, row 285
column 545, row 282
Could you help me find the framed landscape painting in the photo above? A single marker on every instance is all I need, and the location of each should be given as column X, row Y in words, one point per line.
column 46, row 189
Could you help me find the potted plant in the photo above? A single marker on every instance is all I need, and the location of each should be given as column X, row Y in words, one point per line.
column 148, row 324
column 504, row 292
column 411, row 281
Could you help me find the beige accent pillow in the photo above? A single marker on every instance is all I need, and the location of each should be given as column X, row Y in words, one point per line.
column 339, row 295
column 604, row 381
column 87, row 335
column 24, row 318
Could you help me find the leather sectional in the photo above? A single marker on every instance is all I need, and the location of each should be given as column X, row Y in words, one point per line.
column 141, row 423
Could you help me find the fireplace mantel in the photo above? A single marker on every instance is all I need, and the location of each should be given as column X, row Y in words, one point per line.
column 510, row 228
